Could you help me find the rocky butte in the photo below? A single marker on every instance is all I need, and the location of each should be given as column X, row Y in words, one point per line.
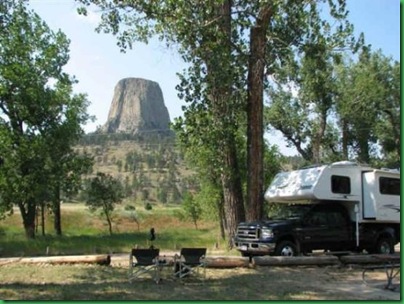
column 137, row 108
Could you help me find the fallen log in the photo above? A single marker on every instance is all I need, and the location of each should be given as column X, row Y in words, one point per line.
column 72, row 259
column 370, row 259
column 227, row 262
column 294, row 261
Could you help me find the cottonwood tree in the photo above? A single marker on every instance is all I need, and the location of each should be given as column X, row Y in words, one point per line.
column 338, row 111
column 37, row 111
column 303, row 98
column 103, row 193
column 231, row 47
column 368, row 108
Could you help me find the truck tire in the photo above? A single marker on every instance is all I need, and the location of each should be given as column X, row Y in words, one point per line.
column 384, row 245
column 286, row 248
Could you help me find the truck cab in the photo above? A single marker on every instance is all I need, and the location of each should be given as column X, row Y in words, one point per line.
column 298, row 228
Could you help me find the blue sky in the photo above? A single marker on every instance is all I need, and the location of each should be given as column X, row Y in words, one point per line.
column 98, row 65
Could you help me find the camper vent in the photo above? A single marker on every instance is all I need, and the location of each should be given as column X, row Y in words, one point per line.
column 345, row 163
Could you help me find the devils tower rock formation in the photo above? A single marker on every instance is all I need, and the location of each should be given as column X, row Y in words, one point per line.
column 137, row 107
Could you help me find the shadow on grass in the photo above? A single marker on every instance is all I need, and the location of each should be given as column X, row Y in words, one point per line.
column 110, row 283
column 93, row 286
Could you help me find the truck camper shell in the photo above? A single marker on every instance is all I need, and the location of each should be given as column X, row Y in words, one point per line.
column 369, row 194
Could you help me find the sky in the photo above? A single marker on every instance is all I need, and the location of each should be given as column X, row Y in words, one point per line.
column 98, row 64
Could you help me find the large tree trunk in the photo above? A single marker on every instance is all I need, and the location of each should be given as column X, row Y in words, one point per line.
column 57, row 224
column 28, row 212
column 221, row 94
column 255, row 106
column 222, row 217
column 317, row 141
column 232, row 191
column 363, row 143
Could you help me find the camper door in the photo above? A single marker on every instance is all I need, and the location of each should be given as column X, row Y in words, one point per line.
column 381, row 196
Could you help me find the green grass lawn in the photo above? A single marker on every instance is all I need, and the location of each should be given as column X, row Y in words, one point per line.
column 87, row 233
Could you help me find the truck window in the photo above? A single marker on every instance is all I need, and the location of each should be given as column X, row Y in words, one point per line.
column 340, row 184
column 287, row 211
column 317, row 218
column 390, row 186
column 336, row 219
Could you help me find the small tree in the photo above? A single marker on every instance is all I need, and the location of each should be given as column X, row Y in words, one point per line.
column 192, row 208
column 104, row 192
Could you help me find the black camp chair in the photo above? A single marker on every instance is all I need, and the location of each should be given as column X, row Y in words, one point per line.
column 143, row 261
column 190, row 261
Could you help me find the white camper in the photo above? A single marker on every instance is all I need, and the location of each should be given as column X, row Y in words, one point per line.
column 369, row 194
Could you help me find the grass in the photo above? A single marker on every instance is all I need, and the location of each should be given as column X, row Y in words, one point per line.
column 87, row 233
column 93, row 282
column 110, row 283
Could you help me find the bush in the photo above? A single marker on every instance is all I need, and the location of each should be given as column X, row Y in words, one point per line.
column 129, row 208
column 148, row 206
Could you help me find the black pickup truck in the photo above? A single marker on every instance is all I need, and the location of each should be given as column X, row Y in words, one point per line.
column 302, row 228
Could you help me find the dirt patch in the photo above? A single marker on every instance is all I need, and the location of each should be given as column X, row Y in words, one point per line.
column 92, row 282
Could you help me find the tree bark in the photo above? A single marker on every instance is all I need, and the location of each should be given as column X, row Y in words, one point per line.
column 255, row 106
column 57, row 224
column 28, row 212
column 363, row 145
column 109, row 221
column 222, row 217
column 291, row 261
column 74, row 259
column 370, row 259
column 221, row 94
column 317, row 140
column 232, row 192
column 227, row 262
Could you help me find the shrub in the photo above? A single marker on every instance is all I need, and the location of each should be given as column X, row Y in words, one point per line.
column 129, row 208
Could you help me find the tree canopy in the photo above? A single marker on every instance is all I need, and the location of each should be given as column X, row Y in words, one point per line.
column 40, row 117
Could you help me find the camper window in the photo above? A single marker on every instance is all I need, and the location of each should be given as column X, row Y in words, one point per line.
column 390, row 186
column 340, row 184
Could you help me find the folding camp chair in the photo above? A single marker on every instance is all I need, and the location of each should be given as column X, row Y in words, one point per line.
column 190, row 260
column 143, row 261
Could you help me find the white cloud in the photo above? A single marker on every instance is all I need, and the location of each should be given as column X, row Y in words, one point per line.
column 93, row 18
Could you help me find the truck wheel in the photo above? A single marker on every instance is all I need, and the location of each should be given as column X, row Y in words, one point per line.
column 286, row 248
column 384, row 245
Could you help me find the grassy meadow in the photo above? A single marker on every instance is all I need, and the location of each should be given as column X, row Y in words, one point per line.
column 87, row 233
